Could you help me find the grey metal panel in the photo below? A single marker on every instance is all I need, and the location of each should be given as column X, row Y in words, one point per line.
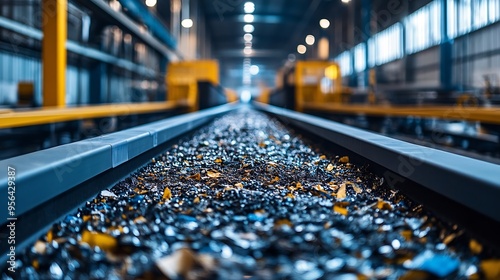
column 470, row 182
column 43, row 175
column 144, row 140
column 125, row 144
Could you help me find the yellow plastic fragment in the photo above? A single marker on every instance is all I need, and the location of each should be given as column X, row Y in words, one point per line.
column 238, row 185
column 283, row 222
column 357, row 189
column 274, row 180
column 362, row 277
column 196, row 200
column 322, row 157
column 384, row 205
column 449, row 238
column 167, row 194
column 140, row 220
column 341, row 194
column 298, row 186
column 415, row 275
column 213, row 174
column 101, row 240
column 475, row 247
column 491, row 268
column 40, row 247
column 319, row 188
column 340, row 210
column 344, row 159
column 50, row 236
column 407, row 234
column 218, row 160
column 35, row 264
column 329, row 167
column 177, row 264
column 474, row 276
column 196, row 176
column 290, row 195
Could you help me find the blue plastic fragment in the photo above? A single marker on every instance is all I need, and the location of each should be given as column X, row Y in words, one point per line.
column 438, row 264
column 137, row 199
column 255, row 218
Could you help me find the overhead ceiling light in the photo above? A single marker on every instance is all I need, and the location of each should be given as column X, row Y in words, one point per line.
column 248, row 18
column 254, row 70
column 324, row 23
column 310, row 40
column 248, row 37
column 301, row 49
column 247, row 50
column 346, row 1
column 249, row 7
column 150, row 3
column 187, row 23
column 246, row 96
column 248, row 28
column 248, row 44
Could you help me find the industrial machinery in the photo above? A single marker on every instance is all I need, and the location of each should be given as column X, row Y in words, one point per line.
column 318, row 82
column 194, row 83
column 308, row 82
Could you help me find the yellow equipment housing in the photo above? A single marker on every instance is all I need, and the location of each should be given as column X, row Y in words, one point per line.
column 318, row 82
column 182, row 80
column 264, row 96
column 231, row 95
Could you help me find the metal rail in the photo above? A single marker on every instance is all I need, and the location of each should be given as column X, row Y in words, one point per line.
column 50, row 183
column 49, row 115
column 463, row 190
column 482, row 114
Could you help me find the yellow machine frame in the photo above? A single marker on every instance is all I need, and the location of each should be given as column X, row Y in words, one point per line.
column 182, row 80
column 317, row 82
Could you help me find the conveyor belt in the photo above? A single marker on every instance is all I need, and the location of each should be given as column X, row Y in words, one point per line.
column 481, row 114
column 246, row 197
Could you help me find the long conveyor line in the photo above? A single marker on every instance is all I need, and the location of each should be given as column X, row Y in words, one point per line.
column 246, row 197
column 31, row 117
column 489, row 115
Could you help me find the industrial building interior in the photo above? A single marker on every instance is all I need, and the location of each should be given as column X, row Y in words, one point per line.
column 250, row 139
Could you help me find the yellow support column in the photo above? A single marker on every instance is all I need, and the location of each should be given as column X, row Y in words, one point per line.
column 54, row 52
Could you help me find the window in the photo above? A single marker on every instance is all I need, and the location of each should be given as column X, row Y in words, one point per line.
column 465, row 16
column 359, row 57
column 386, row 45
column 344, row 60
column 493, row 11
column 423, row 28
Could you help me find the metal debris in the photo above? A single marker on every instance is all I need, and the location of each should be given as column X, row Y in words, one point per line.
column 246, row 199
